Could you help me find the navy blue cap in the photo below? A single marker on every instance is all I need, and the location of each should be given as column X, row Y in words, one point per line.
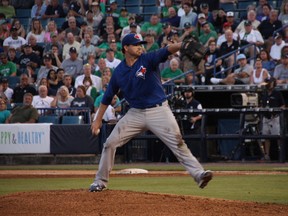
column 132, row 39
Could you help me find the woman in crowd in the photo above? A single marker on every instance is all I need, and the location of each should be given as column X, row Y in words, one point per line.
column 90, row 89
column 151, row 45
column 53, row 81
column 51, row 29
column 267, row 63
column 82, row 100
column 20, row 28
column 283, row 16
column 259, row 74
column 62, row 99
column 4, row 113
column 37, row 30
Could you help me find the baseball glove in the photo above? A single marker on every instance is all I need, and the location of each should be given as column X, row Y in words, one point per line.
column 194, row 50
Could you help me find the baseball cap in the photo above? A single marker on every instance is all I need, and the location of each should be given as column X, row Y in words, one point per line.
column 241, row 56
column 226, row 24
column 247, row 23
column 204, row 5
column 277, row 35
column 108, row 10
column 230, row 14
column 133, row 24
column 201, row 15
column 204, row 23
column 165, row 25
column 131, row 17
column 113, row 1
column 95, row 4
column 109, row 50
column 187, row 25
column 123, row 9
column 27, row 45
column 132, row 39
column 13, row 28
column 4, row 80
column 72, row 50
column 47, row 56
column 190, row 89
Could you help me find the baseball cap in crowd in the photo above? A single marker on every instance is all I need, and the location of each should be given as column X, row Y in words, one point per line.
column 204, row 23
column 241, row 56
column 95, row 4
column 277, row 35
column 27, row 45
column 3, row 21
column 133, row 24
column 204, row 5
column 123, row 9
column 109, row 50
column 13, row 28
column 4, row 80
column 131, row 17
column 226, row 24
column 165, row 25
column 190, row 89
column 108, row 10
column 132, row 39
column 47, row 56
column 201, row 15
column 187, row 25
column 72, row 50
column 230, row 14
column 247, row 23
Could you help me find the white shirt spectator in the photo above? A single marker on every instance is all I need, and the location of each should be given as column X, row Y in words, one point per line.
column 66, row 48
column 112, row 64
column 222, row 39
column 109, row 114
column 39, row 102
column 97, row 82
column 17, row 44
column 275, row 52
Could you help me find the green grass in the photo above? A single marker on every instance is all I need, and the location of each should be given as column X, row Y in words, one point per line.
column 259, row 188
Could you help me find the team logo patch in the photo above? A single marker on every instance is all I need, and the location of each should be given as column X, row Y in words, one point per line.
column 137, row 37
column 141, row 72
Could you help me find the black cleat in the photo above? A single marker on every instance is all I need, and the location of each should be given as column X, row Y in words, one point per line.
column 205, row 178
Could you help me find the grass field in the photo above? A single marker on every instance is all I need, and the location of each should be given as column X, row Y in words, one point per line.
column 264, row 187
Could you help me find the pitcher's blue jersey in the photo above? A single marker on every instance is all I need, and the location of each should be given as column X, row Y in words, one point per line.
column 140, row 84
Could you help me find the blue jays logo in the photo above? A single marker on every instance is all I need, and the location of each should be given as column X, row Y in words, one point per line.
column 141, row 72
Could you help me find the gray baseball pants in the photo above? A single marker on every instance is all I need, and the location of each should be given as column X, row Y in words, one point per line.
column 160, row 121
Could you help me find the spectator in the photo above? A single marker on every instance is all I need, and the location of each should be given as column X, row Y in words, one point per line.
column 102, row 66
column 38, row 9
column 259, row 8
column 25, row 113
column 36, row 48
column 4, row 113
column 51, row 29
column 5, row 92
column 87, row 48
column 7, row 68
column 97, row 15
column 126, row 29
column 27, row 4
column 251, row 17
column 283, row 16
column 56, row 56
column 259, row 74
column 72, row 27
column 44, row 81
column 91, row 59
column 71, row 42
column 165, row 36
column 251, row 36
column 54, row 10
column 54, row 41
column 231, row 20
column 210, row 61
column 42, row 100
column 219, row 20
column 105, row 44
column 188, row 16
column 67, row 80
column 172, row 18
column 281, row 70
column 82, row 100
column 240, row 76
column 14, row 40
column 96, row 81
column 52, row 78
column 20, row 28
column 204, row 9
column 123, row 18
column 110, row 59
column 73, row 65
column 188, row 32
column 77, row 8
column 172, row 71
column 44, row 70
column 266, row 10
column 151, row 45
column 4, row 30
column 118, row 54
column 30, row 71
column 267, row 63
column 201, row 20
column 222, row 37
column 275, row 52
column 268, row 27
column 63, row 99
column 207, row 35
column 95, row 39
column 110, row 115
column 28, row 56
column 12, row 55
column 165, row 9
column 154, row 27
column 37, row 30
column 108, row 26
column 65, row 24
column 180, row 11
column 7, row 9
column 90, row 89
column 271, row 121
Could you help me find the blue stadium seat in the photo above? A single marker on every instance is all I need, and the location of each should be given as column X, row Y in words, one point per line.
column 244, row 4
column 228, row 6
column 131, row 3
column 72, row 120
column 21, row 12
column 149, row 2
column 13, row 81
column 59, row 21
column 48, row 119
column 150, row 10
column 134, row 10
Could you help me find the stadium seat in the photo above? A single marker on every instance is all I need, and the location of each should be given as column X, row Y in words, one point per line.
column 72, row 120
column 25, row 13
column 228, row 6
column 134, row 10
column 245, row 4
column 13, row 81
column 48, row 119
column 149, row 2
column 150, row 10
column 59, row 21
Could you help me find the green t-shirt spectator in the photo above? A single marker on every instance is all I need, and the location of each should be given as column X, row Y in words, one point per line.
column 167, row 73
column 146, row 27
column 118, row 55
column 205, row 37
column 8, row 69
column 123, row 21
column 154, row 46
column 4, row 115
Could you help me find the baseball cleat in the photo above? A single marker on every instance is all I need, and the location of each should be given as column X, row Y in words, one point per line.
column 95, row 187
column 205, row 178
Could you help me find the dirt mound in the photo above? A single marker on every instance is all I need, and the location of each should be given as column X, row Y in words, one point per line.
column 115, row 202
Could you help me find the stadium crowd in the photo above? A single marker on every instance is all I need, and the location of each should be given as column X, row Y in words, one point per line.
column 65, row 54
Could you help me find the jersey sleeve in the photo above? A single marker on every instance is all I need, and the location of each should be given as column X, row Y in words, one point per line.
column 158, row 56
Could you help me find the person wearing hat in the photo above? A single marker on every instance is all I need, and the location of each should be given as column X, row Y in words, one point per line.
column 281, row 70
column 110, row 59
column 204, row 8
column 167, row 33
column 14, row 40
column 153, row 26
column 5, row 91
column 28, row 56
column 126, row 29
column 77, row 7
column 7, row 68
column 44, row 69
column 97, row 15
column 123, row 17
column 251, row 16
column 87, row 48
column 201, row 20
column 275, row 51
column 72, row 65
column 71, row 42
column 140, row 84
column 231, row 20
column 7, row 9
column 251, row 36
column 188, row 16
column 4, row 30
column 54, row 10
column 240, row 76
column 188, row 32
